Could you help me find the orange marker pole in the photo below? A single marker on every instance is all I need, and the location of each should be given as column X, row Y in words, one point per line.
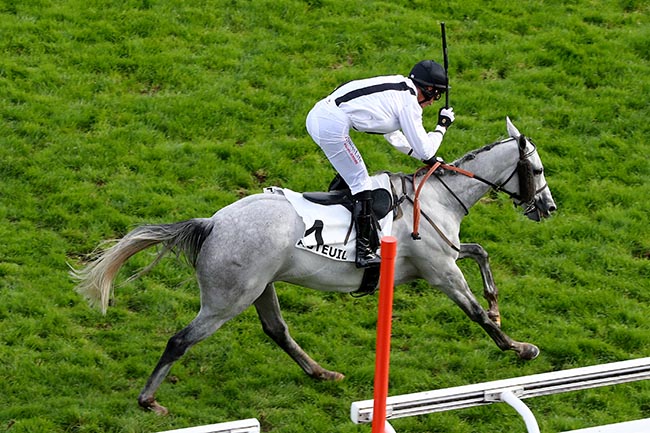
column 384, row 324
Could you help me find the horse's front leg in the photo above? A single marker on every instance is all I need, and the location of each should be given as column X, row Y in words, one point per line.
column 452, row 282
column 477, row 253
column 268, row 310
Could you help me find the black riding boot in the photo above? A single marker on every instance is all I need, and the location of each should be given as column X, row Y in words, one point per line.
column 366, row 231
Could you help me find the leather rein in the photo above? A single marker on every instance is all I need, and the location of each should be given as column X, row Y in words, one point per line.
column 417, row 211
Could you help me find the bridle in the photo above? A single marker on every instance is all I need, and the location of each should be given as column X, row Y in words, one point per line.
column 525, row 196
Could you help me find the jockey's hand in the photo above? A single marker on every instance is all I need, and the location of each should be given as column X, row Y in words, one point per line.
column 433, row 160
column 446, row 117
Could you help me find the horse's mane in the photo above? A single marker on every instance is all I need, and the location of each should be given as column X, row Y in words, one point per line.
column 460, row 161
column 472, row 154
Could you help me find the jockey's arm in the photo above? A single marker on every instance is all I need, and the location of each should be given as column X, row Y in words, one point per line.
column 434, row 139
column 423, row 145
column 398, row 140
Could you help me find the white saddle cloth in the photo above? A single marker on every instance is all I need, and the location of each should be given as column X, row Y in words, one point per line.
column 326, row 227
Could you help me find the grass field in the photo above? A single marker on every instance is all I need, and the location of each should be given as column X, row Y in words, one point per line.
column 114, row 114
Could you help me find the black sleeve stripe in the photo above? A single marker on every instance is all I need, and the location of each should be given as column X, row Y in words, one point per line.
column 372, row 89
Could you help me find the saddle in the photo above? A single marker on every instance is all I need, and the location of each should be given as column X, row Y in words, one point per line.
column 382, row 200
column 339, row 194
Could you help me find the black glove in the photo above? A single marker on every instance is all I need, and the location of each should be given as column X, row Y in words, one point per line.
column 433, row 160
column 446, row 117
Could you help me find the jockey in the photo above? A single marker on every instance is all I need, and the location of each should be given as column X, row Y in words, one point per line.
column 389, row 105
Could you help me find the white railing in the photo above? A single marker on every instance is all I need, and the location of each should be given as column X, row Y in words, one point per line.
column 511, row 391
column 638, row 426
column 250, row 425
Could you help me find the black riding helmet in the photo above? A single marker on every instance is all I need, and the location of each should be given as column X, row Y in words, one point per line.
column 428, row 73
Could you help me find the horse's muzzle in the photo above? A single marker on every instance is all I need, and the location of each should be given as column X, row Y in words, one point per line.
column 540, row 209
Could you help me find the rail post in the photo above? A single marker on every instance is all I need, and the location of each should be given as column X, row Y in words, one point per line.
column 384, row 325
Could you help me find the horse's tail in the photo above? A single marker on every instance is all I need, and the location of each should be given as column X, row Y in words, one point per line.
column 95, row 280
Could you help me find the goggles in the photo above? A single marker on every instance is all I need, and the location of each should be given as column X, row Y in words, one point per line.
column 434, row 94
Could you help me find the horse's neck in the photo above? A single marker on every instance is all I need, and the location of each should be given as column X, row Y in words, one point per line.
column 494, row 163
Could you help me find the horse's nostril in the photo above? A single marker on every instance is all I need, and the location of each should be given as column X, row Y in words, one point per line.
column 552, row 209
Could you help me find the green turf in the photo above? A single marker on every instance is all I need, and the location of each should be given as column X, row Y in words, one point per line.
column 114, row 114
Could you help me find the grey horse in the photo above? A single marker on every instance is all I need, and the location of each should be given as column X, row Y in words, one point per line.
column 260, row 232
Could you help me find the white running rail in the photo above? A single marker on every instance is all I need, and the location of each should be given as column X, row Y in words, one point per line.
column 250, row 425
column 638, row 426
column 511, row 391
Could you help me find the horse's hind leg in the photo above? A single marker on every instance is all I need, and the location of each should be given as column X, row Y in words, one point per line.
column 268, row 310
column 204, row 325
column 477, row 253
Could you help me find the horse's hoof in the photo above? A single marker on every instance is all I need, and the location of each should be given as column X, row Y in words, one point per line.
column 528, row 352
column 153, row 406
column 159, row 410
column 330, row 375
column 336, row 376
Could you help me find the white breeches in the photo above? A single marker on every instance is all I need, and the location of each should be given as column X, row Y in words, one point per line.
column 329, row 127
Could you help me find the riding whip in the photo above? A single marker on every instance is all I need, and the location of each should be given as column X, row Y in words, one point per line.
column 446, row 60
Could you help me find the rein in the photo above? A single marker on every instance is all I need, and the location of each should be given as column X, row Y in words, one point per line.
column 416, row 201
column 431, row 170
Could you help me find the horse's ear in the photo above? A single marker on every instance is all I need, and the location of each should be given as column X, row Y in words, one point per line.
column 512, row 129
